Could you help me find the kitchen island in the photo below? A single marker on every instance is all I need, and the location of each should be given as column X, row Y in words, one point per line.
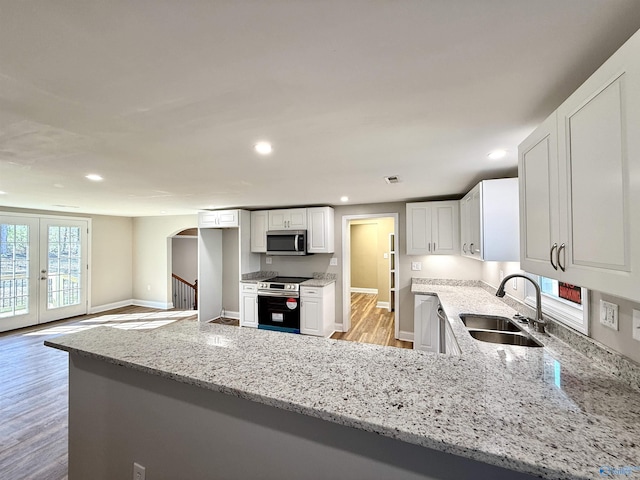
column 194, row 401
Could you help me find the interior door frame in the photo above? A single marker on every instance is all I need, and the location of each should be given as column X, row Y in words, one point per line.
column 346, row 268
column 38, row 217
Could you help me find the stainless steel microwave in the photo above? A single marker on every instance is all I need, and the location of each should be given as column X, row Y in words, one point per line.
column 287, row 242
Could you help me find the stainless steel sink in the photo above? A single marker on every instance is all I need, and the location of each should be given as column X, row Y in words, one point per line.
column 494, row 329
column 505, row 338
column 488, row 322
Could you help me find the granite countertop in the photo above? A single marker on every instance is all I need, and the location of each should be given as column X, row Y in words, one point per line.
column 318, row 282
column 543, row 411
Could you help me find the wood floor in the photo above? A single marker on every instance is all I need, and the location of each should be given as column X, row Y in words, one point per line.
column 370, row 324
column 34, row 391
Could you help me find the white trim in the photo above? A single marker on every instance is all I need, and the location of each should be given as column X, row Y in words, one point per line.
column 346, row 269
column 111, row 306
column 369, row 291
column 383, row 305
column 565, row 313
column 405, row 336
column 151, row 304
column 232, row 315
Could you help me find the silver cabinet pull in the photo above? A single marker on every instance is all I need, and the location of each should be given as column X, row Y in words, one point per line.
column 564, row 257
column 464, row 248
column 471, row 248
column 553, row 247
column 434, row 247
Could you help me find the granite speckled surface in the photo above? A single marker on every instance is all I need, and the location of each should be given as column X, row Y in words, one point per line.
column 320, row 279
column 255, row 277
column 547, row 412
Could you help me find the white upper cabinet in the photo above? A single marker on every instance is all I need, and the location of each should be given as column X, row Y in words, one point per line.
column 259, row 221
column 580, row 183
column 320, row 235
column 288, row 219
column 219, row 219
column 433, row 228
column 489, row 221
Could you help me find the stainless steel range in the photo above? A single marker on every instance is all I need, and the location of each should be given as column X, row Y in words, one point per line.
column 279, row 304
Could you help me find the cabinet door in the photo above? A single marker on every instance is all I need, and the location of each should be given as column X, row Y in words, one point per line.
column 320, row 230
column 208, row 219
column 426, row 324
column 464, row 226
column 277, row 219
column 311, row 316
column 593, row 152
column 418, row 228
column 539, row 223
column 249, row 314
column 297, row 219
column 259, row 220
column 475, row 222
column 227, row 218
column 445, row 229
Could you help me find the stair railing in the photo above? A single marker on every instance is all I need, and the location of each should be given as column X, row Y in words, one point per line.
column 185, row 294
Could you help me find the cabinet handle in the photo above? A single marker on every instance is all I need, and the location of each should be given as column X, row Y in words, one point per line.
column 471, row 248
column 429, row 245
column 553, row 247
column 564, row 257
column 464, row 248
column 434, row 247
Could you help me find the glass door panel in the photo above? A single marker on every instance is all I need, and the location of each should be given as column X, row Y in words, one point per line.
column 64, row 252
column 18, row 272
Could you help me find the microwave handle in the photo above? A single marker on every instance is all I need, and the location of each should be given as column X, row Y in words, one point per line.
column 295, row 242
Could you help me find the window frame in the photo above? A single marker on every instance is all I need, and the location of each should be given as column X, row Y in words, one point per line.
column 561, row 310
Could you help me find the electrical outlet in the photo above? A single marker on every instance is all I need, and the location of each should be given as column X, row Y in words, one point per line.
column 333, row 262
column 416, row 266
column 138, row 471
column 268, row 261
column 385, row 255
column 514, row 283
column 609, row 314
column 636, row 324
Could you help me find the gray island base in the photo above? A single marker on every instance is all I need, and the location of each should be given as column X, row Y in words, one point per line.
column 118, row 416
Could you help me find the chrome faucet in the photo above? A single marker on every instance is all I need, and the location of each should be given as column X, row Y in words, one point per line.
column 538, row 322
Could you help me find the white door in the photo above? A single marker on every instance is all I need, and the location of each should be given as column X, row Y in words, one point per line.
column 43, row 270
column 19, row 261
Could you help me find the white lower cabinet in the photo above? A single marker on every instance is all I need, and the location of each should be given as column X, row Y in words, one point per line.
column 426, row 325
column 249, row 305
column 318, row 310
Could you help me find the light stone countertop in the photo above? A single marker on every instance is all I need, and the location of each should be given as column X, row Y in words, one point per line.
column 548, row 412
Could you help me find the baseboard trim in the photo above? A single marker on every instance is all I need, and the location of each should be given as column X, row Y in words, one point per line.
column 230, row 314
column 111, row 306
column 150, row 304
column 372, row 291
column 405, row 336
column 382, row 305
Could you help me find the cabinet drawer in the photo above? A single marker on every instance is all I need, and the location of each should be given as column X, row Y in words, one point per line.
column 249, row 287
column 313, row 292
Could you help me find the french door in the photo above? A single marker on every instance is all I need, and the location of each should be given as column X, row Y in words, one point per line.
column 43, row 269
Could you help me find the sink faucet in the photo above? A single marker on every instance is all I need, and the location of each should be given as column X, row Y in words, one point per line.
column 538, row 322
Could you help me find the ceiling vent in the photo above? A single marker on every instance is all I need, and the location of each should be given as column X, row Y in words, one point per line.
column 392, row 179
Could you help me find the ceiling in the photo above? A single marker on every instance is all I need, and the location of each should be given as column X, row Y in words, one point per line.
column 166, row 98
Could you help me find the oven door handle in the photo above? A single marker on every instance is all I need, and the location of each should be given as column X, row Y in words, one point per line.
column 278, row 294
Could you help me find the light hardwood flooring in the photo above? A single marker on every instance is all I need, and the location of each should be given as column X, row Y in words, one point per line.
column 370, row 324
column 34, row 391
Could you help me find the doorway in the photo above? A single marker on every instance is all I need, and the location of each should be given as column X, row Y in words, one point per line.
column 44, row 269
column 370, row 273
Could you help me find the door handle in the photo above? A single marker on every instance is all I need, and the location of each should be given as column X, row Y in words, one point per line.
column 564, row 257
column 553, row 247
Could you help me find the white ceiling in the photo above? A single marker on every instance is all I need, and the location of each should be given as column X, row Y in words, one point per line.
column 165, row 98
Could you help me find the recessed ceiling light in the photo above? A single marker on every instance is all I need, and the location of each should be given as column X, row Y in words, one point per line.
column 497, row 154
column 94, row 177
column 344, row 199
column 263, row 148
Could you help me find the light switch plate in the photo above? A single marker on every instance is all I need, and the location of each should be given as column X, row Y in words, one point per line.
column 609, row 314
column 333, row 262
column 416, row 266
column 636, row 324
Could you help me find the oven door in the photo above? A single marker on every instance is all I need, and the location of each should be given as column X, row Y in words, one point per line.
column 279, row 312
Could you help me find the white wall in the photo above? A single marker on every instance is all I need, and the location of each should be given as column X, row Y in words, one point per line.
column 152, row 257
column 184, row 257
column 230, row 270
